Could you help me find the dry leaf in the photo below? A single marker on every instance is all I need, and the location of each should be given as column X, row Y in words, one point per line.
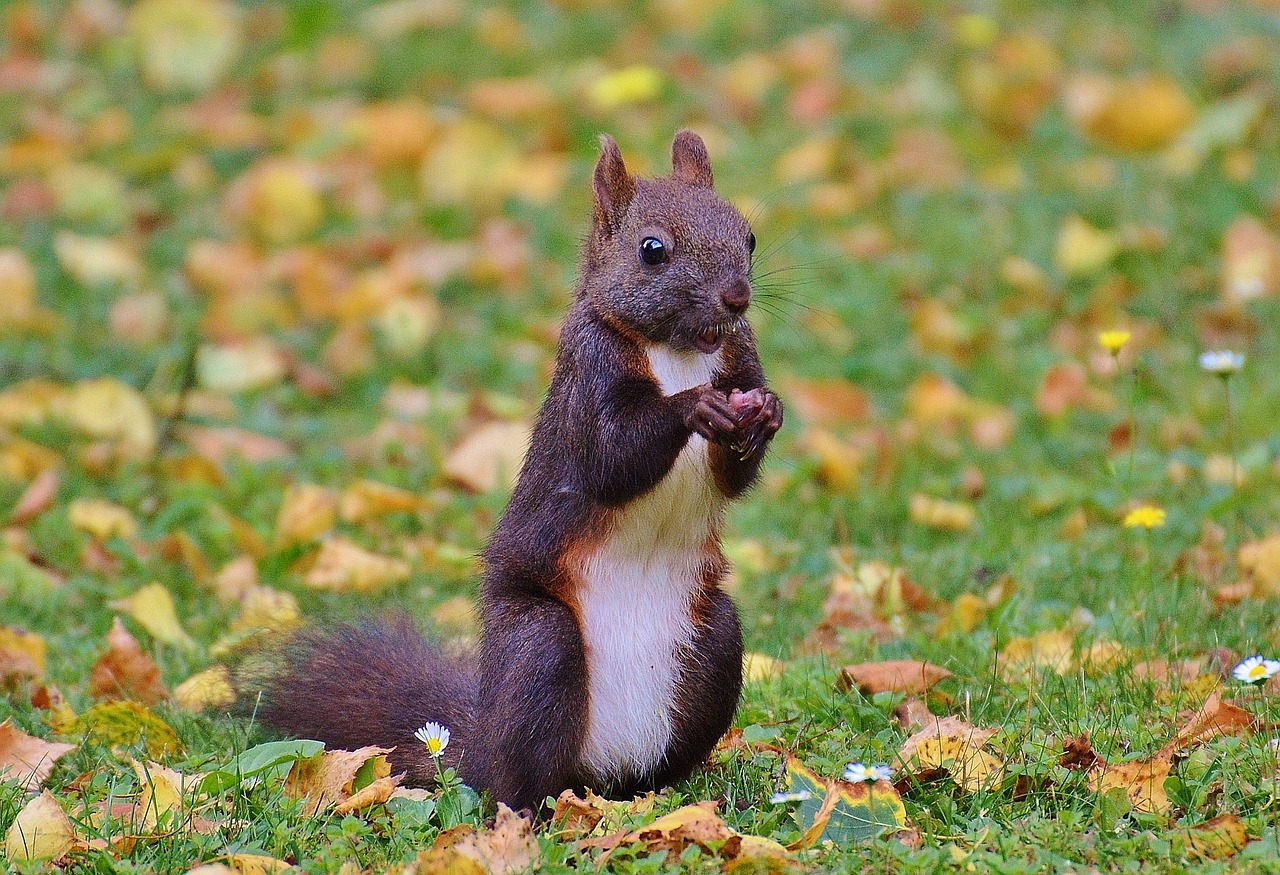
column 153, row 609
column 1250, row 262
column 102, row 519
column 1083, row 249
column 1021, row 658
column 760, row 667
column 1142, row 781
column 108, row 409
column 487, row 457
column 27, row 759
column 328, row 779
column 236, row 579
column 507, row 848
column 165, row 793
column 1078, row 753
column 827, row 403
column 125, row 671
column 953, row 746
column 1140, row 114
column 1260, row 564
column 908, row 676
column 307, row 513
column 37, row 498
column 1217, row 839
column 1214, row 718
column 41, row 831
column 22, row 652
column 367, row 499
column 937, row 513
column 342, row 565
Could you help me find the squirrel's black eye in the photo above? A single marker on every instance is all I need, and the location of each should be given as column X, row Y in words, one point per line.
column 751, row 242
column 652, row 251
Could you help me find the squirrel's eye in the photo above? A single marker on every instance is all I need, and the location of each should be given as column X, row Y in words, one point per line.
column 652, row 251
column 751, row 242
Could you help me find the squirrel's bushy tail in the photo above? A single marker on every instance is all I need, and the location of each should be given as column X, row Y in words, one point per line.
column 374, row 683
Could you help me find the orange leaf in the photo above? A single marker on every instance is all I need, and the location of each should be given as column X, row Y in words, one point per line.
column 909, row 676
column 125, row 671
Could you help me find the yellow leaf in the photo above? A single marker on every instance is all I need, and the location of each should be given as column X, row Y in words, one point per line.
column 1224, row 836
column 265, row 608
column 24, row 646
column 101, row 519
column 328, row 779
column 26, row 759
column 186, row 45
column 938, row 513
column 41, row 831
column 1022, row 657
column 1140, row 114
column 506, row 848
column 1260, row 564
column 626, row 87
column 111, row 410
column 124, row 724
column 209, row 690
column 164, row 792
column 257, row 864
column 1142, row 781
column 94, row 261
column 153, row 608
column 342, row 565
column 760, row 667
column 306, row 513
column 952, row 745
column 369, row 499
column 1083, row 249
column 241, row 367
column 968, row 611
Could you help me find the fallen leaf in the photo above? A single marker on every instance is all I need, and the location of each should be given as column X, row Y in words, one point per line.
column 912, row 715
column 1021, row 658
column 125, row 671
column 185, row 45
column 953, row 746
column 108, row 409
column 153, row 609
column 102, row 519
column 507, row 848
column 41, row 831
column 367, row 499
column 841, row 812
column 307, row 513
column 487, row 457
column 1260, row 564
column 37, row 498
column 1217, row 839
column 165, row 795
column 1142, row 780
column 236, row 579
column 243, row 367
column 124, row 724
column 342, row 566
column 330, row 777
column 1212, row 719
column 22, row 652
column 1078, row 753
column 1083, row 249
column 209, row 690
column 1140, row 114
column 577, row 817
column 827, row 403
column 257, row 864
column 908, row 676
column 27, row 759
column 760, row 667
column 1250, row 262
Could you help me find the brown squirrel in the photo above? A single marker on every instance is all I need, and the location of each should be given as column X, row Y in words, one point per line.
column 610, row 658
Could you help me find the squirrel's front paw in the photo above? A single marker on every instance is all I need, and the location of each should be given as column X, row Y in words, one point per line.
column 759, row 416
column 713, row 417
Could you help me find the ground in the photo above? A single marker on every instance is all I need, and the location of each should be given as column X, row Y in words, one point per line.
column 260, row 262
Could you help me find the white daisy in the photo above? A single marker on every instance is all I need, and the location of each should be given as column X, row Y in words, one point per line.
column 1256, row 670
column 858, row 773
column 1224, row 363
column 434, row 736
column 796, row 796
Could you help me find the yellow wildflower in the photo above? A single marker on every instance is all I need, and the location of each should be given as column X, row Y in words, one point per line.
column 1113, row 341
column 1147, row 516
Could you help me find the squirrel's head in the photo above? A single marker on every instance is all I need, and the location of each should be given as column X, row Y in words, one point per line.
column 668, row 258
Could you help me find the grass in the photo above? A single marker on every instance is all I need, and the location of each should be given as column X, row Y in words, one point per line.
column 839, row 310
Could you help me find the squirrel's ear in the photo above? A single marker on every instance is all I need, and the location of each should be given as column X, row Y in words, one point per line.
column 690, row 162
column 612, row 186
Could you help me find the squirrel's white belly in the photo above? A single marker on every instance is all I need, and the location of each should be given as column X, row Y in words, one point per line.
column 635, row 599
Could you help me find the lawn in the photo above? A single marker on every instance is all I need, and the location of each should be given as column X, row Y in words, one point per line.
column 279, row 293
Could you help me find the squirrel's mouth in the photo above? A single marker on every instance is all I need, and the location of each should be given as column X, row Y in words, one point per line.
column 709, row 339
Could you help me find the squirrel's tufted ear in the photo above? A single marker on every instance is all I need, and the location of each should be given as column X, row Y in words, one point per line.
column 689, row 160
column 612, row 186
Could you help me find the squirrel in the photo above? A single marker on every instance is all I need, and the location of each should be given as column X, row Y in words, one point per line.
column 609, row 656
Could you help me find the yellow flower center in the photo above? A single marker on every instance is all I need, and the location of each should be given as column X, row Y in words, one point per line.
column 433, row 745
column 1257, row 671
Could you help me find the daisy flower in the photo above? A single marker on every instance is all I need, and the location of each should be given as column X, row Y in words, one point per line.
column 857, row 773
column 1256, row 670
column 434, row 736
column 1224, row 363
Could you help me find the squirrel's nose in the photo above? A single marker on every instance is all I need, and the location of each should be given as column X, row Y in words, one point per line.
column 736, row 296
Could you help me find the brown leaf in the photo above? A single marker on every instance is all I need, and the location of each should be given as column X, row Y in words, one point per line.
column 909, row 676
column 577, row 817
column 508, row 847
column 827, row 403
column 1078, row 753
column 342, row 565
column 27, row 759
column 37, row 498
column 1214, row 718
column 950, row 745
column 1224, row 836
column 218, row 444
column 125, row 671
column 912, row 715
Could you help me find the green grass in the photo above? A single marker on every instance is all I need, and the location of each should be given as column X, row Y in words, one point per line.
column 835, row 314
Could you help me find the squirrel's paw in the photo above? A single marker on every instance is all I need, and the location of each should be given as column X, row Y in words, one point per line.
column 713, row 417
column 759, row 416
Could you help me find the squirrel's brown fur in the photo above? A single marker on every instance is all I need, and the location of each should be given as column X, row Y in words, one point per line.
column 616, row 466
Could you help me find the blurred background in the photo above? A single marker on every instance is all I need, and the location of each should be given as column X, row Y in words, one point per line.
column 245, row 245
